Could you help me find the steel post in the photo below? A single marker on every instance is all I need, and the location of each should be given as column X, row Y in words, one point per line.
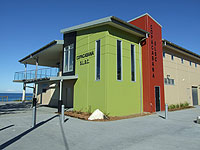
column 34, row 116
column 62, row 114
column 166, row 111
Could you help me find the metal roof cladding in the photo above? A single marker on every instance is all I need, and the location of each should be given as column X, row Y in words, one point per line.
column 111, row 20
column 168, row 43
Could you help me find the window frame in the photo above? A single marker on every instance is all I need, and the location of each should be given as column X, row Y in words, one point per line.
column 96, row 42
column 163, row 54
column 134, row 63
column 121, row 61
column 68, row 49
column 172, row 57
column 182, row 60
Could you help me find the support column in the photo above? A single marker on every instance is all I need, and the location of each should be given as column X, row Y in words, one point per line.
column 25, row 73
column 36, row 69
column 24, row 92
column 60, row 97
column 24, row 84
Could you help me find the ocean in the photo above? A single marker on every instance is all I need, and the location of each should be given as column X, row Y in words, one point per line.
column 14, row 96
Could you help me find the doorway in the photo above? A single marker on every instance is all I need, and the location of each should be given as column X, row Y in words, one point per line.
column 194, row 95
column 68, row 93
column 157, row 98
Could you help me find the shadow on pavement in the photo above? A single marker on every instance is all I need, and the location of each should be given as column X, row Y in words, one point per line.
column 63, row 134
column 6, row 127
column 11, row 141
column 161, row 116
column 11, row 108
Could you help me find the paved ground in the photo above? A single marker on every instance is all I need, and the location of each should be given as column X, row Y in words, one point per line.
column 145, row 133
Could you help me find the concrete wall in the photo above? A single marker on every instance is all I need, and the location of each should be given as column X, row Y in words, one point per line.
column 184, row 75
column 48, row 93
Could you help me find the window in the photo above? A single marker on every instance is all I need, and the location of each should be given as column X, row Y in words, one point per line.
column 98, row 44
column 182, row 60
column 169, row 81
column 165, row 80
column 119, row 60
column 132, row 62
column 195, row 65
column 163, row 54
column 172, row 57
column 68, row 58
column 190, row 63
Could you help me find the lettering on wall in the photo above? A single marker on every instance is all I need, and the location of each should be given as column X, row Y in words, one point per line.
column 153, row 52
column 84, row 57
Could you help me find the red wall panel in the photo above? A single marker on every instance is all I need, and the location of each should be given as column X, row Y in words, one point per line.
column 152, row 63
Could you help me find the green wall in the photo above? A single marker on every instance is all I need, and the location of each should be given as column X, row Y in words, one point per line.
column 116, row 98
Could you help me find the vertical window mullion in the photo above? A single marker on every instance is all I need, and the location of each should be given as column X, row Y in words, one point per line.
column 98, row 59
column 119, row 60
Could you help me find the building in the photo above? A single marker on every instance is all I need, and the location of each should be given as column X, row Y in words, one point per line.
column 181, row 74
column 99, row 67
column 106, row 64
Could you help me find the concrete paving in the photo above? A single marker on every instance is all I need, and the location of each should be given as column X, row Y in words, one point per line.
column 152, row 132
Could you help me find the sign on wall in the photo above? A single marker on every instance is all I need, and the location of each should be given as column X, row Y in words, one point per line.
column 84, row 58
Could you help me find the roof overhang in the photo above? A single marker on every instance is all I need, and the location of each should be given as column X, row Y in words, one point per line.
column 49, row 55
column 179, row 49
column 146, row 14
column 113, row 21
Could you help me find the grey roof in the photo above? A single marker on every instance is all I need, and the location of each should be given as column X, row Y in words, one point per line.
column 112, row 20
column 42, row 49
column 181, row 49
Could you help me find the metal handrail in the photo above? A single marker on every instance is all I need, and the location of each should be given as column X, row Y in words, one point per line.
column 2, row 97
column 31, row 74
column 17, row 98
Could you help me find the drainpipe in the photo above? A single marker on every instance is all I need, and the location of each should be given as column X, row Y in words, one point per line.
column 141, row 96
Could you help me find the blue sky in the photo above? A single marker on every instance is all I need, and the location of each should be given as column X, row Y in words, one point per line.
column 27, row 25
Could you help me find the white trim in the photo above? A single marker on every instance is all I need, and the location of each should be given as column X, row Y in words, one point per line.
column 96, row 60
column 141, row 86
column 144, row 15
column 134, row 64
column 121, row 62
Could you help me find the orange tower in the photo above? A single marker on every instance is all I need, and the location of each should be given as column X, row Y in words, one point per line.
column 152, row 64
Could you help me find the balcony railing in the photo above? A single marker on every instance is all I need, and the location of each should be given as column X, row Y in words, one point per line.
column 32, row 75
